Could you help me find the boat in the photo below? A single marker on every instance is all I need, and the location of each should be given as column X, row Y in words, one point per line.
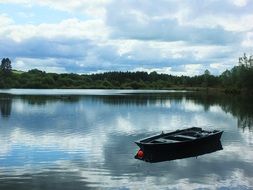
column 154, row 157
column 183, row 140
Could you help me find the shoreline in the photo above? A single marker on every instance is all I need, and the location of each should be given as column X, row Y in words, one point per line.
column 211, row 90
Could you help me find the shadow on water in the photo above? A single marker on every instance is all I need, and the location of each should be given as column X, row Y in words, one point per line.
column 180, row 154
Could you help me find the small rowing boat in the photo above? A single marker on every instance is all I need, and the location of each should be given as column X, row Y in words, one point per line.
column 182, row 140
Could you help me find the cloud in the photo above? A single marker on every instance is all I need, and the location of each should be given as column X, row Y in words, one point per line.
column 48, row 65
column 136, row 25
column 70, row 28
column 95, row 8
column 5, row 20
column 107, row 35
column 234, row 23
column 186, row 70
column 240, row 3
column 248, row 40
column 45, row 48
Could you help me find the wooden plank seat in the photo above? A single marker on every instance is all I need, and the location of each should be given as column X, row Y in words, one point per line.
column 163, row 140
column 186, row 137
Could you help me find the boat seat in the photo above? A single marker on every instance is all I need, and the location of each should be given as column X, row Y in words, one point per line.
column 186, row 137
column 162, row 140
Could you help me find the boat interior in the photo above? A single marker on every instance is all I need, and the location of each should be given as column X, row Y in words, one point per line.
column 180, row 136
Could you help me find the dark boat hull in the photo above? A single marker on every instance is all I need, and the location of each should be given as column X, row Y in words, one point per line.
column 177, row 153
column 181, row 145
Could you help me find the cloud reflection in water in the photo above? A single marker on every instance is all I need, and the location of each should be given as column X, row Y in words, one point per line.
column 88, row 140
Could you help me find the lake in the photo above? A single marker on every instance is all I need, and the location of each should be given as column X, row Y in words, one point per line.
column 84, row 139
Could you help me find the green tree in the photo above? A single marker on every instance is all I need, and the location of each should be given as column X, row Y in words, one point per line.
column 207, row 72
column 206, row 78
column 226, row 78
column 6, row 66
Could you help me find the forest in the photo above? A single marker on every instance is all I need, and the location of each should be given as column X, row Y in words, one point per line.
column 235, row 80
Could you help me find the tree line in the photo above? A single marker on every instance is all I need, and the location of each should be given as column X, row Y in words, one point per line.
column 235, row 80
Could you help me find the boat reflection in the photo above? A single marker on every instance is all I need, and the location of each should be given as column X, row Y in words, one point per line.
column 178, row 153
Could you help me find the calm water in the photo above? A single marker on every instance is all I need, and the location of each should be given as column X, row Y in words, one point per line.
column 83, row 139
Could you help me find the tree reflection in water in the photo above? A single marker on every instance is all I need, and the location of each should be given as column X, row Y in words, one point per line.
column 5, row 106
column 239, row 106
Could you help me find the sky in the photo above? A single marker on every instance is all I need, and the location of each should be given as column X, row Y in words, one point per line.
column 178, row 37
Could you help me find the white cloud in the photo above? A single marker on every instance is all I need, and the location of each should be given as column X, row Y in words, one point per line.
column 70, row 28
column 248, row 40
column 48, row 65
column 94, row 8
column 167, row 50
column 186, row 70
column 5, row 20
column 230, row 22
column 223, row 64
column 240, row 3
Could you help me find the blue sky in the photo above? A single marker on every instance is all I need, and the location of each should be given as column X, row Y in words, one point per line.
column 178, row 37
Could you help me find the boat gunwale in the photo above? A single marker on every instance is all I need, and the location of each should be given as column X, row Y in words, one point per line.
column 140, row 142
